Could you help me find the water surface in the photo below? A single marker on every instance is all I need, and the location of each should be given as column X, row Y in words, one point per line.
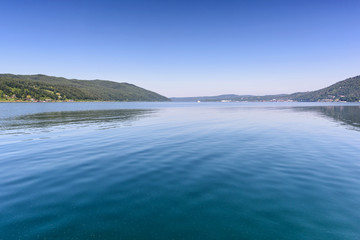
column 179, row 171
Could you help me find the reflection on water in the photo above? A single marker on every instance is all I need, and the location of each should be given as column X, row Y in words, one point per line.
column 347, row 115
column 79, row 118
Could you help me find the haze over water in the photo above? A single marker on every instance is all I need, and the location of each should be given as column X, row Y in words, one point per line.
column 179, row 171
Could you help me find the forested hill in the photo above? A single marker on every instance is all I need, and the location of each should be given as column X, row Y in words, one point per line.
column 47, row 88
column 346, row 90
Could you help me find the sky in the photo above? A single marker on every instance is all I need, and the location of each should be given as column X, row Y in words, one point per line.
column 186, row 48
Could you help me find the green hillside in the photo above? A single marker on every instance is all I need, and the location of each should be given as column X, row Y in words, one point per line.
column 346, row 90
column 46, row 88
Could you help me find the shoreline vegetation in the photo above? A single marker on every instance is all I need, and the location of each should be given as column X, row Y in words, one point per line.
column 27, row 101
column 43, row 88
column 58, row 101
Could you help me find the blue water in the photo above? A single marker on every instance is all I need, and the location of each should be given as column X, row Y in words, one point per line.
column 179, row 171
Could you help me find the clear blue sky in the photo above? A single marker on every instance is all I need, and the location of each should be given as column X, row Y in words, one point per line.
column 186, row 48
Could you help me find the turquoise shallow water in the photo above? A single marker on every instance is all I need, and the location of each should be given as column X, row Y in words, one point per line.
column 179, row 171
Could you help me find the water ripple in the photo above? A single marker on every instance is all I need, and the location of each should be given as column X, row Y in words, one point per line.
column 184, row 173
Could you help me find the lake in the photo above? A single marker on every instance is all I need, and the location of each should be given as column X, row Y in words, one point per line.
column 179, row 171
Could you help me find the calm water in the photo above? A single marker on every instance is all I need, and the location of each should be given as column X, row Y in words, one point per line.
column 179, row 171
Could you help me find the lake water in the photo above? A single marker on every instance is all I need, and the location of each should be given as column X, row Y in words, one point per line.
column 179, row 171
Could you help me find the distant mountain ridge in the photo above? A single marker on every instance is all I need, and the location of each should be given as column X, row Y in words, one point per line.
column 347, row 90
column 47, row 88
column 206, row 98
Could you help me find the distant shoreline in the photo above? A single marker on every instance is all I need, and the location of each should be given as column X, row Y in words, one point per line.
column 174, row 102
